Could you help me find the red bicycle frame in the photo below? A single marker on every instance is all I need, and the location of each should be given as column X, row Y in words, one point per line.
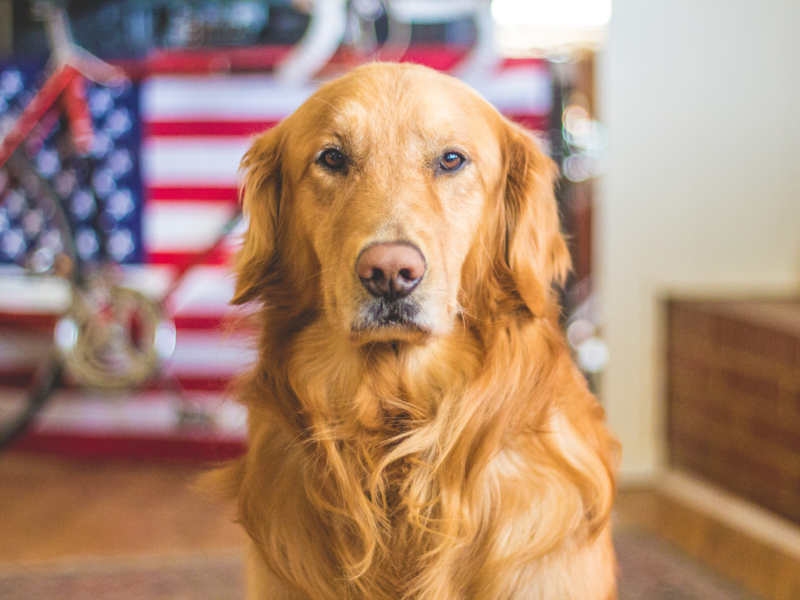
column 68, row 81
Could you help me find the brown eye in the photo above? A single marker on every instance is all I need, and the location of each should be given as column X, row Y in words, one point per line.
column 332, row 159
column 451, row 161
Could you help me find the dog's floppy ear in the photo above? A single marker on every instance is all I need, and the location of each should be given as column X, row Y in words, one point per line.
column 260, row 192
column 535, row 251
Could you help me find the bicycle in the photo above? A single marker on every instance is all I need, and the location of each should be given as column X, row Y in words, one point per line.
column 111, row 337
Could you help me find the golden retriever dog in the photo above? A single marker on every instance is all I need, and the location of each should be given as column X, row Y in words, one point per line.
column 417, row 428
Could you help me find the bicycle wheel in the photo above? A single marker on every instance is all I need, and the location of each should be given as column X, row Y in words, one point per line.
column 18, row 411
column 36, row 247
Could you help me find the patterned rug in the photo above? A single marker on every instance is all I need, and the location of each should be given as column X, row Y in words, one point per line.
column 212, row 576
column 649, row 570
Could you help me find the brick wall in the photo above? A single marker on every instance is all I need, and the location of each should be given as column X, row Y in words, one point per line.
column 734, row 397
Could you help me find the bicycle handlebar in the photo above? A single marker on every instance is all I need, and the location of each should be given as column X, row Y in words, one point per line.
column 70, row 65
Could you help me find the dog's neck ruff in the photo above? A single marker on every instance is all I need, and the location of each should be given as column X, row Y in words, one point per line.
column 395, row 454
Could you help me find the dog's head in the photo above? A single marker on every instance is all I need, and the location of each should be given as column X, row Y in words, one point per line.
column 394, row 200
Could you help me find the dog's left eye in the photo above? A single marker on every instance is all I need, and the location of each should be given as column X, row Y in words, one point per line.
column 332, row 159
column 451, row 161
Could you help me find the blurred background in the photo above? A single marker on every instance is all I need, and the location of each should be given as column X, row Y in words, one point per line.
column 675, row 130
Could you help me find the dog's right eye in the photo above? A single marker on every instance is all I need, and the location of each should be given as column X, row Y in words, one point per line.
column 332, row 159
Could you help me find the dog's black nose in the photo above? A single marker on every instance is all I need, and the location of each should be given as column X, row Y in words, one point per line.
column 391, row 270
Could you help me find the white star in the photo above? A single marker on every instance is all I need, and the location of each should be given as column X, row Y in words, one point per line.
column 103, row 182
column 13, row 243
column 100, row 102
column 86, row 242
column 120, row 204
column 11, row 82
column 118, row 122
column 120, row 244
column 101, row 144
column 47, row 162
column 82, row 205
column 120, row 162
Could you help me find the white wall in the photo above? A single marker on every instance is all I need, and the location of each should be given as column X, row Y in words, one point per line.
column 702, row 102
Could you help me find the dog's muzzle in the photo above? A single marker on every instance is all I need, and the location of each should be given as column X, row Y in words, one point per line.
column 390, row 272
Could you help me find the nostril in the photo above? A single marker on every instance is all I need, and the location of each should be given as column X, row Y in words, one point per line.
column 390, row 270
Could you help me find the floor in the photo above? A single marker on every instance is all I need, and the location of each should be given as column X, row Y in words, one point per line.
column 56, row 509
column 770, row 573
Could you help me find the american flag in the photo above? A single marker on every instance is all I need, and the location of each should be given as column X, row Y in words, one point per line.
column 193, row 131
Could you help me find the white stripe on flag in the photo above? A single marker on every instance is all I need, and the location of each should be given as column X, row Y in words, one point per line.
column 183, row 226
column 192, row 161
column 227, row 98
column 150, row 412
column 518, row 90
column 213, row 354
column 524, row 89
column 197, row 353
column 205, row 290
column 30, row 295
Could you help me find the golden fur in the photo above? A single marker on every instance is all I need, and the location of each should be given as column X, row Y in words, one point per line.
column 457, row 456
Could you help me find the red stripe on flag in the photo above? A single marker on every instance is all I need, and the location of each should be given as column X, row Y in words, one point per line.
column 21, row 378
column 260, row 58
column 436, row 56
column 44, row 322
column 193, row 194
column 196, row 448
column 533, row 122
column 201, row 322
column 206, row 128
column 510, row 63
column 192, row 383
column 225, row 128
column 186, row 259
column 441, row 58
column 224, row 60
column 18, row 378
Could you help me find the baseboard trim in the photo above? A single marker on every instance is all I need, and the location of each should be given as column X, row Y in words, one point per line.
column 742, row 515
column 637, row 477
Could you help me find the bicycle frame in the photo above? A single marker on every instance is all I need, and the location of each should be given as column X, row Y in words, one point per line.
column 91, row 336
column 64, row 81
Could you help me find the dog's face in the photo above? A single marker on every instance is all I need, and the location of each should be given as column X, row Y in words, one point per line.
column 382, row 197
